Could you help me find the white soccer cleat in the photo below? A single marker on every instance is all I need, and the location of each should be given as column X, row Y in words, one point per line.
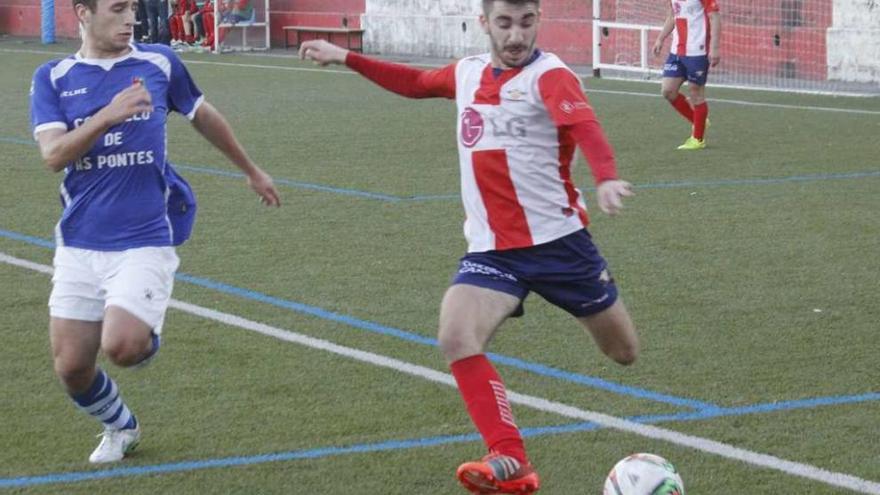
column 115, row 444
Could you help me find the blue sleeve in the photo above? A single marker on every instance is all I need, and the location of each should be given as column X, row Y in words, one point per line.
column 183, row 94
column 45, row 103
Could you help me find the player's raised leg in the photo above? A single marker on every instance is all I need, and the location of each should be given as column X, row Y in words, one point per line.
column 613, row 331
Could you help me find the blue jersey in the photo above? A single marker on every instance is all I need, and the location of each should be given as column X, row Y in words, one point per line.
column 122, row 193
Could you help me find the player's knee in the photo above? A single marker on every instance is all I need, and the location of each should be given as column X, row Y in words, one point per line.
column 457, row 345
column 625, row 354
column 124, row 352
column 75, row 376
column 669, row 93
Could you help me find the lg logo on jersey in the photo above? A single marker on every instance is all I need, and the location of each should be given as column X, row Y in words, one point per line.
column 473, row 126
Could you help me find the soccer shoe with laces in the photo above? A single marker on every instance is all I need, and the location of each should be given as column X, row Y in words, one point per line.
column 693, row 143
column 115, row 444
column 497, row 474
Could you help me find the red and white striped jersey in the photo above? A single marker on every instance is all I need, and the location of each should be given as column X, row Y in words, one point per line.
column 691, row 34
column 516, row 154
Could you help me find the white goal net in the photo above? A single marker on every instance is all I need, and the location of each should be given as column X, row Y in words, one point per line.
column 804, row 45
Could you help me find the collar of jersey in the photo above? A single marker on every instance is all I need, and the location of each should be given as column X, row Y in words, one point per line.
column 497, row 71
column 105, row 63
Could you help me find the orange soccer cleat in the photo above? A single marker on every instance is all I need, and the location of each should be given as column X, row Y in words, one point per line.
column 496, row 474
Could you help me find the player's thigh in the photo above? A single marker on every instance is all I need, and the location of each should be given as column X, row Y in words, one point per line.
column 138, row 286
column 614, row 332
column 697, row 75
column 76, row 308
column 674, row 75
column 469, row 316
column 125, row 336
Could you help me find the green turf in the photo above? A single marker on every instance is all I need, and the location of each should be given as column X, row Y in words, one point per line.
column 745, row 292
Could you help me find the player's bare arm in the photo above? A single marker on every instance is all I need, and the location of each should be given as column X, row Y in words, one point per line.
column 715, row 41
column 668, row 26
column 322, row 52
column 213, row 126
column 58, row 148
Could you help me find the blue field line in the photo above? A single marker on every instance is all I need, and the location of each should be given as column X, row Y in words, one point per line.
column 390, row 198
column 760, row 408
column 762, row 181
column 293, row 183
column 15, row 140
column 380, row 329
column 593, row 382
column 15, row 236
column 234, row 461
column 393, row 445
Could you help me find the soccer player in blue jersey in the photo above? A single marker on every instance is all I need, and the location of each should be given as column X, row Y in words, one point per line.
column 100, row 116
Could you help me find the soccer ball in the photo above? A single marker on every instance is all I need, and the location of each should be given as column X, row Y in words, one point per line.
column 643, row 474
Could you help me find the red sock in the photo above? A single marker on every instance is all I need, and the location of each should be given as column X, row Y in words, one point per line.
column 701, row 111
column 486, row 399
column 683, row 107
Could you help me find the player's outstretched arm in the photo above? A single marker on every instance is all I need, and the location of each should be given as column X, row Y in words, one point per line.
column 398, row 78
column 58, row 147
column 213, row 126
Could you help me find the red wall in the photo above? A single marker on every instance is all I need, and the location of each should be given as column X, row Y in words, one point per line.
column 22, row 18
column 749, row 43
column 324, row 13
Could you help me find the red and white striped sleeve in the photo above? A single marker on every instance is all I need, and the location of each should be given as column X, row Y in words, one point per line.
column 572, row 114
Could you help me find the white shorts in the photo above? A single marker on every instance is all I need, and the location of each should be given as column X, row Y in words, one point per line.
column 138, row 280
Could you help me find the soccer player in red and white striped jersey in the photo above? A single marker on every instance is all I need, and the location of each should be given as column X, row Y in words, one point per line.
column 521, row 115
column 695, row 26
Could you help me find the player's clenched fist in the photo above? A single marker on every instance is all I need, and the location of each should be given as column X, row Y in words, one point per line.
column 322, row 52
column 130, row 101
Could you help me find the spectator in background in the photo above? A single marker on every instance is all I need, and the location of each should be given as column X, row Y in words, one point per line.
column 181, row 24
column 157, row 21
column 206, row 19
column 141, row 28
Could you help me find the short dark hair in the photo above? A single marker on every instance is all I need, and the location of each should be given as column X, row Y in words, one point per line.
column 487, row 4
column 91, row 4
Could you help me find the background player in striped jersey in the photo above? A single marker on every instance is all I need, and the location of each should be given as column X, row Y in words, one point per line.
column 521, row 113
column 695, row 26
column 100, row 115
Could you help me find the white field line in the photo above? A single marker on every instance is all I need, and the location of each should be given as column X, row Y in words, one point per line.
column 589, row 91
column 702, row 444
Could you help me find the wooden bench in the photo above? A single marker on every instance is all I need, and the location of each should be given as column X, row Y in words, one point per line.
column 349, row 33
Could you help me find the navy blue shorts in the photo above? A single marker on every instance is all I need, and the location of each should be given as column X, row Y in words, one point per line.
column 568, row 272
column 694, row 69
